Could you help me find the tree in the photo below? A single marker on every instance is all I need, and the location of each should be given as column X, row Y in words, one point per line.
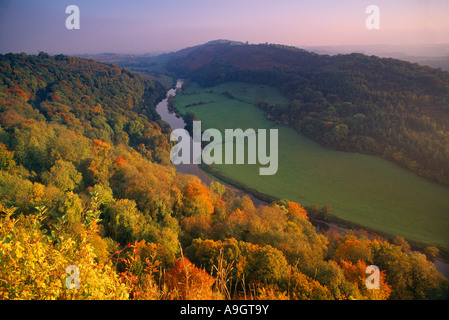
column 329, row 274
column 295, row 210
column 6, row 158
column 217, row 188
column 186, row 282
column 62, row 175
column 302, row 287
column 126, row 222
column 197, row 200
column 431, row 252
column 71, row 207
column 325, row 212
column 401, row 242
column 267, row 265
column 101, row 163
column 356, row 273
column 189, row 117
column 353, row 250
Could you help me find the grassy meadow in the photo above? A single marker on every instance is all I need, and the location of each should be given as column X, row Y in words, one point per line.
column 360, row 188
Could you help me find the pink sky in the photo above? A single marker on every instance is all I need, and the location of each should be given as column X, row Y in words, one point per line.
column 163, row 25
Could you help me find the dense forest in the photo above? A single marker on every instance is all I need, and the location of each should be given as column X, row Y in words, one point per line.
column 86, row 181
column 353, row 102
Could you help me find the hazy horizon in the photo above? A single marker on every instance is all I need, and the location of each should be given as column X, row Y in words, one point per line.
column 140, row 27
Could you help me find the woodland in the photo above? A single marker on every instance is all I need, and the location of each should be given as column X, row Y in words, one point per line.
column 86, row 180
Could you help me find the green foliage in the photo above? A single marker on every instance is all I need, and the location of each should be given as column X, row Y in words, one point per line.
column 126, row 222
column 267, row 265
column 62, row 175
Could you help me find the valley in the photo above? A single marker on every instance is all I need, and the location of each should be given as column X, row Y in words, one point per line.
column 360, row 188
column 203, row 158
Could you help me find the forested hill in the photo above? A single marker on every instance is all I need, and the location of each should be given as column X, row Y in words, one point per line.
column 385, row 106
column 97, row 100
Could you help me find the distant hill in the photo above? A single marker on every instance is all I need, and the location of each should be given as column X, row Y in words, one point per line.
column 386, row 106
column 433, row 55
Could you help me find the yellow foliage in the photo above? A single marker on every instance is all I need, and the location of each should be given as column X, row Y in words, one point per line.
column 271, row 293
column 32, row 266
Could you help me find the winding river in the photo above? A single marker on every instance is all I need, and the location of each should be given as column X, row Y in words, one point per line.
column 176, row 122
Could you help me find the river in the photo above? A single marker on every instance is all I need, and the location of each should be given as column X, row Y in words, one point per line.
column 176, row 122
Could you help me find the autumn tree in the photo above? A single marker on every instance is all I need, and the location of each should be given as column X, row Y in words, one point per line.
column 329, row 274
column 301, row 287
column 356, row 273
column 62, row 175
column 296, row 210
column 125, row 222
column 410, row 275
column 185, row 281
column 101, row 163
column 353, row 250
column 197, row 200
column 6, row 158
column 267, row 265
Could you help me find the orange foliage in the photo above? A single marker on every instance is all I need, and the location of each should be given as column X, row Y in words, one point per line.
column 19, row 92
column 101, row 148
column 271, row 292
column 96, row 109
column 101, row 144
column 10, row 118
column 239, row 214
column 198, row 200
column 302, row 287
column 187, row 282
column 353, row 250
column 296, row 209
column 120, row 161
column 197, row 226
column 355, row 273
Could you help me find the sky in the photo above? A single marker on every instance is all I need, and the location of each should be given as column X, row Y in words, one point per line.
column 137, row 26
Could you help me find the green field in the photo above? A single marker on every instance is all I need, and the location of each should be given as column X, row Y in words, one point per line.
column 360, row 188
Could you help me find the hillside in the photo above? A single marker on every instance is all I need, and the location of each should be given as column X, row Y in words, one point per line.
column 86, row 186
column 353, row 102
